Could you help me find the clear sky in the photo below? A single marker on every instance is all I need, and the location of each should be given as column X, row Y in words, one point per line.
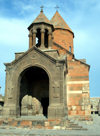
column 82, row 16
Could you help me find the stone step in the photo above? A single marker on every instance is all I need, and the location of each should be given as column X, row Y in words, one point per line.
column 70, row 128
column 48, row 124
column 74, row 126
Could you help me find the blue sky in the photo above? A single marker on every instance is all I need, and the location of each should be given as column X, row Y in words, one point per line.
column 83, row 17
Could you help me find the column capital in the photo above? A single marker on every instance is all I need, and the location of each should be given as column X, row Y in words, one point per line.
column 30, row 35
column 49, row 33
column 42, row 30
column 34, row 31
column 52, row 36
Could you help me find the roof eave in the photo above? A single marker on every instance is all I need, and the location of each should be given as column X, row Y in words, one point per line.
column 67, row 30
column 83, row 63
column 63, row 48
column 40, row 23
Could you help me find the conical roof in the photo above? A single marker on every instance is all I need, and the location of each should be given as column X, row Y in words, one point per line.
column 59, row 22
column 41, row 18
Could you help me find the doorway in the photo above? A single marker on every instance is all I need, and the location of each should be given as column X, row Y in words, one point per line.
column 35, row 82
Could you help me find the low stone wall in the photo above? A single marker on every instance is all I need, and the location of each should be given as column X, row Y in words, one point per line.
column 94, row 104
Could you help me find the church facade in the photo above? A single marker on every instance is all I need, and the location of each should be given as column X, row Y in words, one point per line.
column 47, row 79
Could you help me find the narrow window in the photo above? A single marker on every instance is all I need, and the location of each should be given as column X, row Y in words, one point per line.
column 91, row 106
column 70, row 49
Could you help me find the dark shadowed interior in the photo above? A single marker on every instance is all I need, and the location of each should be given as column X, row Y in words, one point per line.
column 35, row 82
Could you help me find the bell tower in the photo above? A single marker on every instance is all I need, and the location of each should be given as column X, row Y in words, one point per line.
column 41, row 32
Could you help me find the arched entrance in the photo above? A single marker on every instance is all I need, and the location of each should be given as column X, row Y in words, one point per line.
column 35, row 82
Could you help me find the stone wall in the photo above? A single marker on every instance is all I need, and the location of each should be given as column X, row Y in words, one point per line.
column 78, row 88
column 94, row 104
column 78, row 94
column 64, row 38
column 1, row 103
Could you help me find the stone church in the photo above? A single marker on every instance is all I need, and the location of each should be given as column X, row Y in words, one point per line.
column 47, row 79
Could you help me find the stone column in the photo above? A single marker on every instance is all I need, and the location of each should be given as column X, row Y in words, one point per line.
column 56, row 109
column 42, row 38
column 30, row 40
column 9, row 109
column 34, row 38
column 49, row 39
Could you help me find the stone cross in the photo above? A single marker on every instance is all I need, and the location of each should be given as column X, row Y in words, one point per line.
column 42, row 8
column 56, row 8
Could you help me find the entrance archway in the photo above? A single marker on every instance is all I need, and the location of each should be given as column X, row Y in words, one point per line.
column 35, row 82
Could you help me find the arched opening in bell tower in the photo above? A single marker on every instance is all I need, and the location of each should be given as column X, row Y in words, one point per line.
column 35, row 83
column 38, row 38
column 46, row 38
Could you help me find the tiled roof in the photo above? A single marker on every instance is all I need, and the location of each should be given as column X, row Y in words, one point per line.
column 59, row 22
column 41, row 18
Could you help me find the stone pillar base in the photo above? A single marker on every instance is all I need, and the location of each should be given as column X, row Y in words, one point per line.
column 56, row 111
column 9, row 111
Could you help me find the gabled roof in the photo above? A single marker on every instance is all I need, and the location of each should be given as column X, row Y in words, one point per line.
column 59, row 22
column 41, row 18
column 38, row 50
column 63, row 48
column 72, row 55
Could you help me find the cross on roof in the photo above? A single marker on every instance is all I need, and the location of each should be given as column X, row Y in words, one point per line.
column 57, row 7
column 42, row 8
